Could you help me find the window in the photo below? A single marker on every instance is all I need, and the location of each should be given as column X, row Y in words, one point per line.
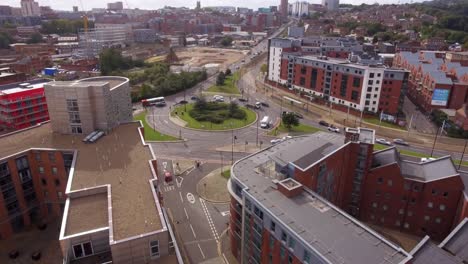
column 410, row 213
column 356, row 82
column 154, row 249
column 437, row 220
column 406, row 225
column 344, row 85
column 377, row 193
column 427, row 218
column 434, row 192
column 397, row 223
column 380, row 180
column 306, row 257
column 413, row 200
column 371, row 82
column 72, row 105
column 54, row 170
column 76, row 129
column 284, row 237
column 83, row 250
column 416, row 188
column 273, row 226
column 390, row 182
column 290, row 259
column 313, row 79
column 401, row 211
column 385, row 207
column 445, row 194
column 302, row 81
column 282, row 252
column 272, row 241
column 430, row 204
column 51, row 156
column 442, row 207
column 354, row 95
column 372, row 217
column 291, row 243
column 44, row 181
column 74, row 117
column 374, row 204
column 38, row 156
column 387, row 196
column 57, row 182
column 371, row 75
column 41, row 170
column 59, row 195
column 407, row 186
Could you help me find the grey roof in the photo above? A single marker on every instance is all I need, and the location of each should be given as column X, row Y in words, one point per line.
column 409, row 56
column 427, row 252
column 430, row 170
column 16, row 85
column 441, row 77
column 309, row 150
column 338, row 237
column 385, row 157
column 457, row 241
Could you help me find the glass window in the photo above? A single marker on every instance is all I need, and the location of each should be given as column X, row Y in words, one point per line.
column 38, row 156
column 291, row 243
column 379, row 180
column 44, row 181
column 410, row 213
column 406, row 225
column 306, row 257
column 282, row 252
column 51, row 156
column 442, row 207
column 54, row 170
column 273, row 226
column 83, row 250
column 59, row 194
column 374, row 204
column 154, row 249
column 445, row 194
column 41, row 170
column 390, row 182
column 385, row 207
column 401, row 211
column 57, row 182
column 284, row 237
column 427, row 218
column 430, row 204
column 438, row 220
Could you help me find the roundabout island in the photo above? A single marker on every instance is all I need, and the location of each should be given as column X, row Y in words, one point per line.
column 214, row 116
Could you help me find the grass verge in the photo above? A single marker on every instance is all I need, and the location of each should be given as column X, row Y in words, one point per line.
column 205, row 125
column 226, row 174
column 229, row 86
column 377, row 122
column 301, row 128
column 150, row 133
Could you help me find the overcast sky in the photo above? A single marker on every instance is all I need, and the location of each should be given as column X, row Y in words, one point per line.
column 155, row 4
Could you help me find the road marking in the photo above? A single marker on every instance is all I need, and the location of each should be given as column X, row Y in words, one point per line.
column 201, row 251
column 177, row 181
column 181, row 199
column 190, row 198
column 193, row 231
column 169, row 188
column 189, row 171
column 225, row 259
column 225, row 213
column 186, row 215
column 165, row 121
column 210, row 221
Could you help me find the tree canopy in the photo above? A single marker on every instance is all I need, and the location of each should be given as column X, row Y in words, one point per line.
column 226, row 41
column 112, row 60
column 5, row 40
column 64, row 26
column 35, row 38
column 289, row 120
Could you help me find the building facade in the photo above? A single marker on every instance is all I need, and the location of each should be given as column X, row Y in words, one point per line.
column 331, row 5
column 281, row 198
column 23, row 105
column 300, row 9
column 30, row 8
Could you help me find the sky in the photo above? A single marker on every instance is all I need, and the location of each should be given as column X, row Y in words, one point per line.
column 155, row 4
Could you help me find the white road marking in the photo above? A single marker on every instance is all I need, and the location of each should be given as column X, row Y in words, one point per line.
column 189, row 171
column 165, row 121
column 225, row 213
column 210, row 221
column 190, row 198
column 193, row 231
column 181, row 199
column 201, row 251
column 177, row 181
column 186, row 215
column 225, row 259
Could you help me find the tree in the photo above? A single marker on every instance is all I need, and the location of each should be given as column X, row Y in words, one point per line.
column 227, row 72
column 35, row 38
column 226, row 41
column 171, row 57
column 264, row 68
column 5, row 40
column 290, row 120
column 220, row 79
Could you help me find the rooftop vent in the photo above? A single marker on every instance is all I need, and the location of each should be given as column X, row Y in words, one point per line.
column 289, row 187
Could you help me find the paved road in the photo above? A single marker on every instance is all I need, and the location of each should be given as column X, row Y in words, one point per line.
column 198, row 222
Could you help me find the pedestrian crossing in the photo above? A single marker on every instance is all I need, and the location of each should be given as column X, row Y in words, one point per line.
column 168, row 188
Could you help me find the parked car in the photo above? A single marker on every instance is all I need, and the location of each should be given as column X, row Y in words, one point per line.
column 383, row 141
column 333, row 129
column 275, row 141
column 265, row 104
column 183, row 102
column 298, row 115
column 258, row 105
column 194, row 98
column 243, row 100
column 251, row 106
column 218, row 98
column 400, row 141
column 324, row 123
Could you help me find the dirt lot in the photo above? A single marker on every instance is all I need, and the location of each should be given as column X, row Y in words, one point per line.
column 199, row 56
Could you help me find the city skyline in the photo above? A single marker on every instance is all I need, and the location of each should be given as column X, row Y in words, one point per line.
column 141, row 4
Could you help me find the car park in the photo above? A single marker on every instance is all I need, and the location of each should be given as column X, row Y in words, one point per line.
column 383, row 141
column 400, row 141
column 324, row 123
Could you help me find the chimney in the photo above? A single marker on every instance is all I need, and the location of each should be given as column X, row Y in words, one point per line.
column 289, row 187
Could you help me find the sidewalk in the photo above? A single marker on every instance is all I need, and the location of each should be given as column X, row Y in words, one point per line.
column 249, row 148
column 224, row 248
column 213, row 187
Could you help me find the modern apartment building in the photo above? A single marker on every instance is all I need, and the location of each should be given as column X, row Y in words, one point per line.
column 23, row 105
column 369, row 88
column 434, row 82
column 106, row 190
column 300, row 201
column 30, row 8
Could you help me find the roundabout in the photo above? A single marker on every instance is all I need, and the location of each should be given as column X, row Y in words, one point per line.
column 214, row 116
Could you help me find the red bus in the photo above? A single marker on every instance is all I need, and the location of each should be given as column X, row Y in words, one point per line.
column 157, row 101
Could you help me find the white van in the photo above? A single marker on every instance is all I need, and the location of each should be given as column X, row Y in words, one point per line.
column 265, row 122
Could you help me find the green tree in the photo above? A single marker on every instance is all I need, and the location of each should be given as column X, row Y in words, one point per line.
column 35, row 38
column 226, row 41
column 264, row 68
column 227, row 72
column 220, row 79
column 111, row 60
column 5, row 40
column 290, row 120
column 64, row 26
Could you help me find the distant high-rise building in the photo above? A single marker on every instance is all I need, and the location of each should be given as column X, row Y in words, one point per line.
column 331, row 4
column 198, row 5
column 75, row 9
column 30, row 8
column 284, row 8
column 116, row 6
column 5, row 10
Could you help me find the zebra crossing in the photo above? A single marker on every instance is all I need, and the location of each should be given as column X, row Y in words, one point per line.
column 168, row 187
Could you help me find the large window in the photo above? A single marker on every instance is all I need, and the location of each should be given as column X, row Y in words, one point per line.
column 83, row 250
column 313, row 80
column 344, row 85
column 76, row 129
column 354, row 95
column 72, row 105
column 356, row 82
column 154, row 249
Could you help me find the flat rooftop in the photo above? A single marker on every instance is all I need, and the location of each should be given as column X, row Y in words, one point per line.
column 35, row 82
column 97, row 81
column 118, row 159
column 81, row 207
column 334, row 234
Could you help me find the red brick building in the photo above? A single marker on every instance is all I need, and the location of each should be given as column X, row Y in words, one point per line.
column 8, row 75
column 281, row 199
column 23, row 105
